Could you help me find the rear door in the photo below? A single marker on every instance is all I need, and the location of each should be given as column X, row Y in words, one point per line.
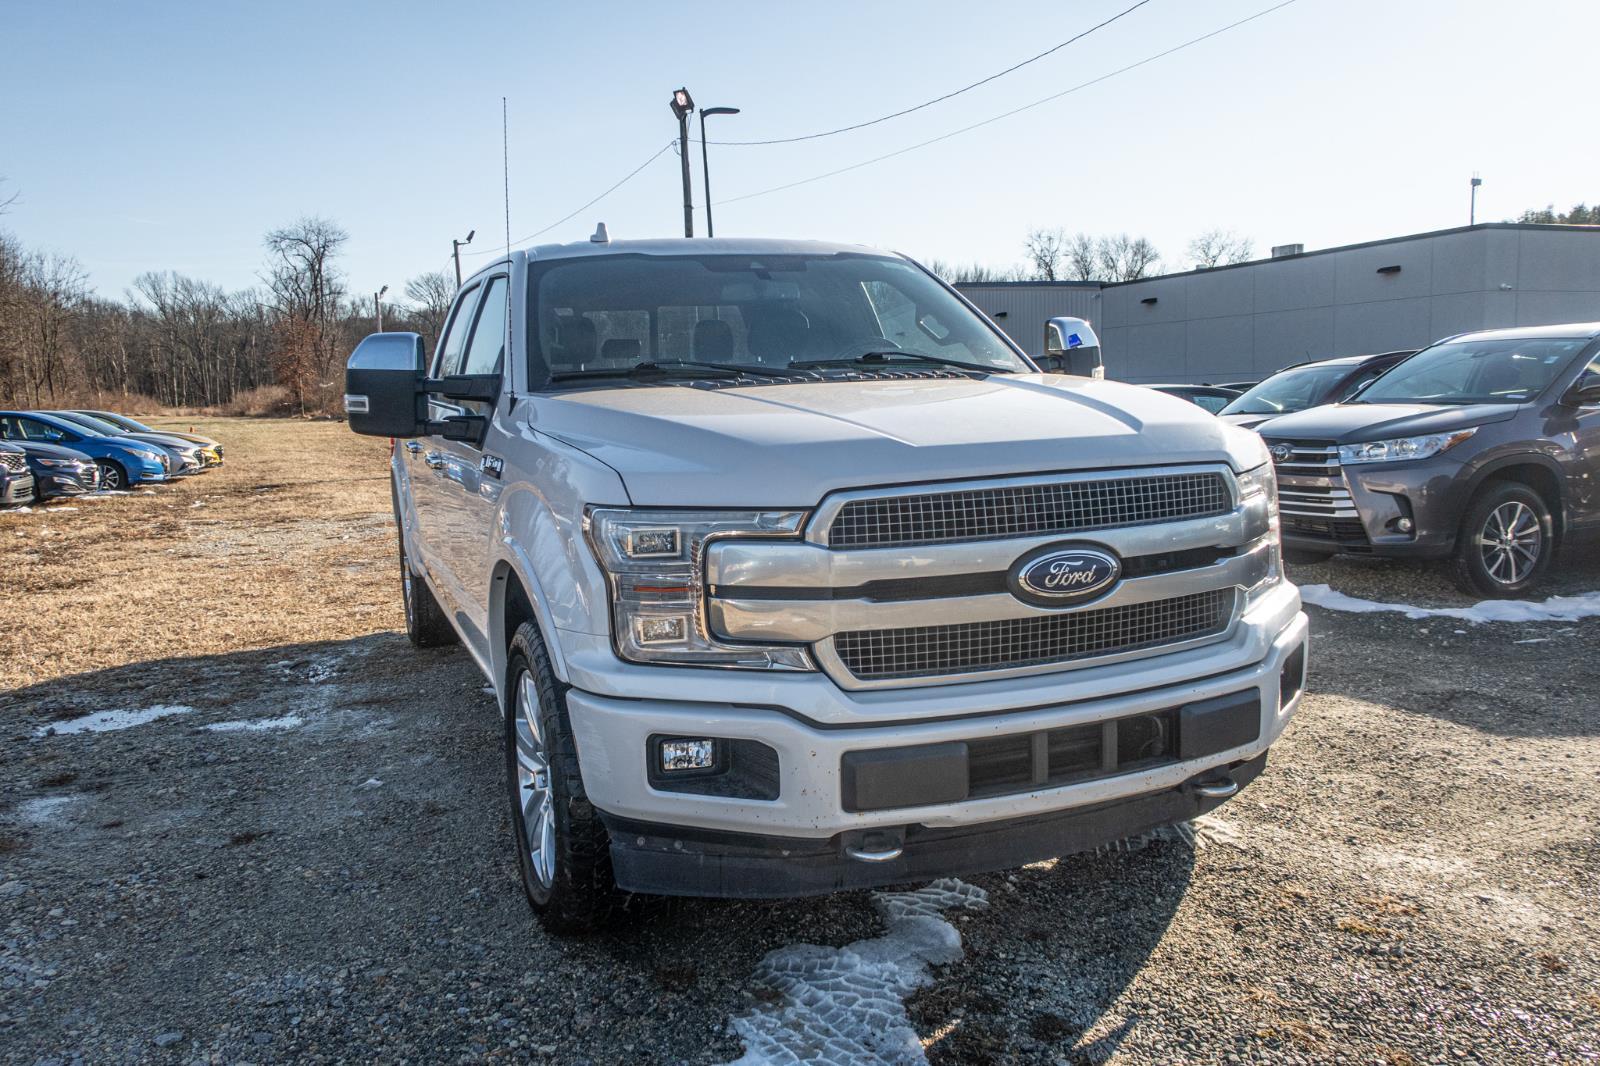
column 424, row 462
column 1583, row 461
column 471, row 477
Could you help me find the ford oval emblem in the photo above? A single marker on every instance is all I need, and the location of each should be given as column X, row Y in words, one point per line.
column 1056, row 575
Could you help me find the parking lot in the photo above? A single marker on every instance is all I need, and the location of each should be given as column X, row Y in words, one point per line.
column 284, row 835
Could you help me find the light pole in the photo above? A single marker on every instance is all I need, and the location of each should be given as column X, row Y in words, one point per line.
column 455, row 250
column 377, row 305
column 682, row 104
column 705, row 160
column 1472, row 215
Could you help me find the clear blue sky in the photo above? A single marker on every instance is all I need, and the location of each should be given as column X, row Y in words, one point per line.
column 173, row 136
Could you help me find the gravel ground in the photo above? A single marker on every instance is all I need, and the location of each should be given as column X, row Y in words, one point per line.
column 1412, row 880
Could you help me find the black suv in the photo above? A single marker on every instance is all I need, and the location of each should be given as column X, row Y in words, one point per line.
column 1306, row 385
column 1484, row 448
column 16, row 480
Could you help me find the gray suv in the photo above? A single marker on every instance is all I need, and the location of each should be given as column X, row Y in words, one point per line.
column 1484, row 448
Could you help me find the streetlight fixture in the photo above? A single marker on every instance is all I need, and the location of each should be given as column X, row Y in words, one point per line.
column 705, row 160
column 682, row 105
column 1472, row 215
column 455, row 250
column 377, row 305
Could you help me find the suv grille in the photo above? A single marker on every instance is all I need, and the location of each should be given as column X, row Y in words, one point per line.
column 874, row 654
column 13, row 461
column 1313, row 498
column 1028, row 510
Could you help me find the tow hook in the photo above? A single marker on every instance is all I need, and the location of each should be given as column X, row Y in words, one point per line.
column 874, row 845
column 1215, row 788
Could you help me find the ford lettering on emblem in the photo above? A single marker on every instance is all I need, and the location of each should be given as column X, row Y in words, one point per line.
column 1056, row 575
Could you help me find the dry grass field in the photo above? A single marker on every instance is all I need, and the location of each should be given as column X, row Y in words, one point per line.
column 290, row 541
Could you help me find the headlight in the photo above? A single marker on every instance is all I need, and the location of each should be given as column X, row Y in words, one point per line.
column 1258, row 491
column 57, row 462
column 1391, row 451
column 655, row 564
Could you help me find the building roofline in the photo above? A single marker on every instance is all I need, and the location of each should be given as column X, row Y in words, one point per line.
column 1030, row 284
column 1528, row 226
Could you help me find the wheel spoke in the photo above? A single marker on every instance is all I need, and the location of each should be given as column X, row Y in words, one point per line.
column 533, row 781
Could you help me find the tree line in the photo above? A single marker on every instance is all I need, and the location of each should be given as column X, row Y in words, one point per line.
column 1053, row 254
column 180, row 341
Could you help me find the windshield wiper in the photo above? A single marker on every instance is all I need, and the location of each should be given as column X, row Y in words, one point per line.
column 866, row 358
column 644, row 371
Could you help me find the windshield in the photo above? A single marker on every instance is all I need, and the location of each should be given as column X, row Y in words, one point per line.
column 97, row 425
column 1289, row 390
column 721, row 314
column 122, row 421
column 1495, row 370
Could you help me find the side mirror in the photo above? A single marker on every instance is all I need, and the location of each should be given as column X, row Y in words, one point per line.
column 1071, row 347
column 1586, row 391
column 383, row 392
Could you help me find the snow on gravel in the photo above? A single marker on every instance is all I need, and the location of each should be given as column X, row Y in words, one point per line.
column 1555, row 609
column 847, row 1005
column 258, row 725
column 111, row 721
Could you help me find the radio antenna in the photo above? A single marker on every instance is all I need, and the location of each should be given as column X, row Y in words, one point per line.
column 505, row 165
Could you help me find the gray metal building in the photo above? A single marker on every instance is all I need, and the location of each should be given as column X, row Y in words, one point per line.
column 1021, row 308
column 1246, row 321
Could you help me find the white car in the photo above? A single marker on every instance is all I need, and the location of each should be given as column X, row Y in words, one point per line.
column 793, row 574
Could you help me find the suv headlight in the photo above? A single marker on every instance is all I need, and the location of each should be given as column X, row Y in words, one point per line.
column 1399, row 448
column 57, row 462
column 655, row 564
column 1258, row 491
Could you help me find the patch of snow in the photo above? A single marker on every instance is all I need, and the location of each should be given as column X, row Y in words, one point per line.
column 58, row 510
column 258, row 725
column 1555, row 609
column 104, row 494
column 847, row 1005
column 111, row 721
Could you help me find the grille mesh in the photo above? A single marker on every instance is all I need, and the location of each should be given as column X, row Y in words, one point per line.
column 873, row 654
column 1027, row 510
column 13, row 461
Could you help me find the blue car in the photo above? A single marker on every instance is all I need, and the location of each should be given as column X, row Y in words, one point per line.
column 122, row 462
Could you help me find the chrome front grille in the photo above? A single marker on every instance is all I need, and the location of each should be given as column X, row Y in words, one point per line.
column 15, row 462
column 1314, row 499
column 1058, row 507
column 880, row 654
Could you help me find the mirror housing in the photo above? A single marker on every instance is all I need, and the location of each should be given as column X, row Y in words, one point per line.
column 1585, row 391
column 1071, row 347
column 383, row 394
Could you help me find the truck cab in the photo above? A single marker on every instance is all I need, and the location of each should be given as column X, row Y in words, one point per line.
column 793, row 574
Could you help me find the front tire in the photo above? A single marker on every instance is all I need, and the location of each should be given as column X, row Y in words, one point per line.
column 563, row 850
column 1505, row 542
column 113, row 478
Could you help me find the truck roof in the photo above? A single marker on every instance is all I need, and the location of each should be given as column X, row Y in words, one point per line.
column 670, row 246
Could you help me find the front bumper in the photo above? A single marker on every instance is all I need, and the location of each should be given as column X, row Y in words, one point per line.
column 1430, row 492
column 58, row 483
column 16, row 490
column 809, row 815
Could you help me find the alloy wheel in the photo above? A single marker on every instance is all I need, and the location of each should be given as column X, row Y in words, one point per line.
column 533, row 784
column 1511, row 541
column 110, row 477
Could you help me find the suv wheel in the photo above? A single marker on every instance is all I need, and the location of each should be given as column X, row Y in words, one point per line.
column 563, row 851
column 112, row 477
column 1505, row 542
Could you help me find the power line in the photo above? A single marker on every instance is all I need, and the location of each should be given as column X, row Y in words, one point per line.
column 949, row 95
column 565, row 218
column 1013, row 111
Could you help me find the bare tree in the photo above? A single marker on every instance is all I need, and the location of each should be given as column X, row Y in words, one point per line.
column 1083, row 260
column 973, row 273
column 1125, row 258
column 430, row 295
column 307, row 292
column 1219, row 247
column 1044, row 248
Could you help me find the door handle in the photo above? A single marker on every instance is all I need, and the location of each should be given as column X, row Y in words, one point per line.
column 413, row 447
column 434, row 460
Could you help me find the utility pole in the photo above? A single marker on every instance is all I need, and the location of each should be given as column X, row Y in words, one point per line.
column 377, row 305
column 1472, row 214
column 455, row 250
column 682, row 105
column 705, row 160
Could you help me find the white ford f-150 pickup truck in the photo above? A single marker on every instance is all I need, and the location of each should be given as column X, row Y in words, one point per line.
column 793, row 574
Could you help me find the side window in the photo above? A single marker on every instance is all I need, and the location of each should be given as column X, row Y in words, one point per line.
column 41, row 431
column 454, row 341
column 486, row 352
column 1214, row 404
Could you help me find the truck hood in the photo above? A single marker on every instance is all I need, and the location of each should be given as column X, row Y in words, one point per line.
column 787, row 446
column 1353, row 423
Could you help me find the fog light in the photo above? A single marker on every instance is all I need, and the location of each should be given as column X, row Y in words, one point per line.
column 699, row 754
column 662, row 629
column 1404, row 525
